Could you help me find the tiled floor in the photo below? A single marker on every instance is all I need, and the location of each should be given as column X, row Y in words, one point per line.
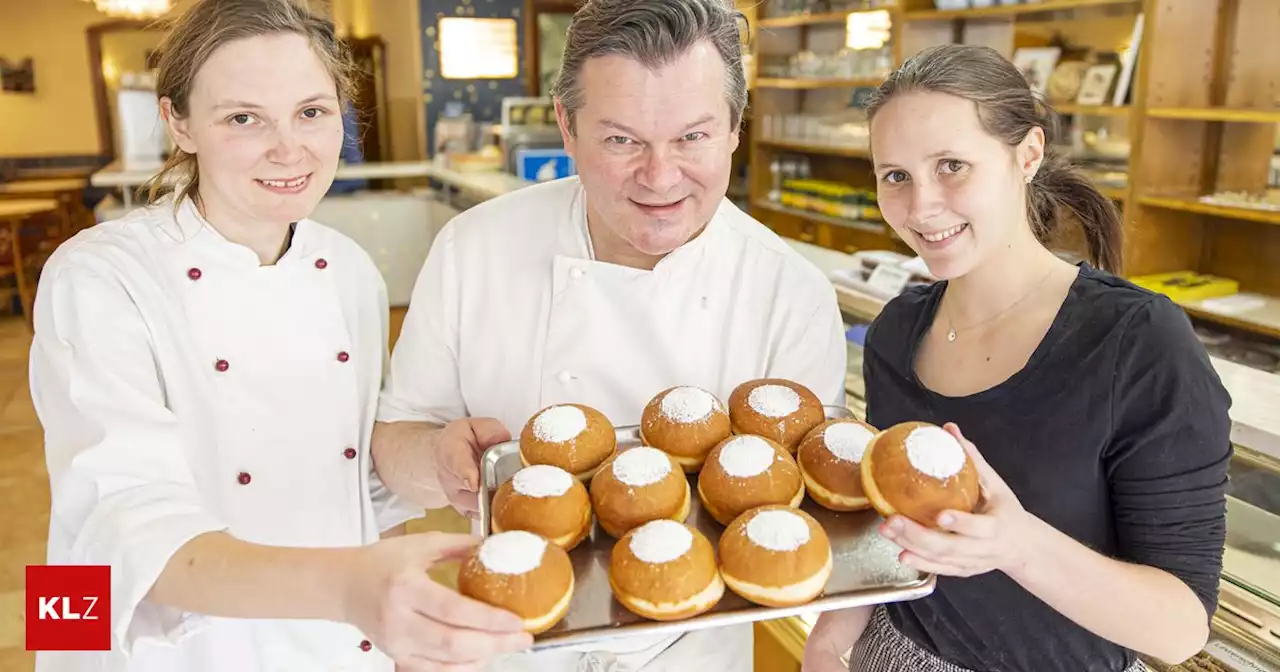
column 24, row 493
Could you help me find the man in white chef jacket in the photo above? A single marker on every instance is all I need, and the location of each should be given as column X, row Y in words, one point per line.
column 608, row 288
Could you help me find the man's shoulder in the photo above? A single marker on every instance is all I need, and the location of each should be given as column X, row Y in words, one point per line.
column 757, row 240
column 523, row 211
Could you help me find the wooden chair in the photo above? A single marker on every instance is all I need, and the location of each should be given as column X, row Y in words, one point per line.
column 24, row 249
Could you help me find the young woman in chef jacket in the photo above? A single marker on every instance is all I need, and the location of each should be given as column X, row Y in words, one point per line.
column 207, row 372
column 1097, row 423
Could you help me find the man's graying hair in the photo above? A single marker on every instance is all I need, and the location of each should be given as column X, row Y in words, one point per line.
column 653, row 32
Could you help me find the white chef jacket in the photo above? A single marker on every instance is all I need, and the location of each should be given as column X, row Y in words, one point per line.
column 185, row 388
column 511, row 314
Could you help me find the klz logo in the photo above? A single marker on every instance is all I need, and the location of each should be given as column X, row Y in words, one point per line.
column 49, row 609
column 68, row 608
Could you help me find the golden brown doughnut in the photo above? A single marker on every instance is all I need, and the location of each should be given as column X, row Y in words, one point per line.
column 686, row 423
column 545, row 500
column 780, row 410
column 744, row 472
column 665, row 571
column 919, row 470
column 636, row 486
column 522, row 573
column 776, row 556
column 574, row 437
column 830, row 459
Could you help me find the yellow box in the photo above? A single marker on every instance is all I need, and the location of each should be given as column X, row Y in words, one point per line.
column 1182, row 286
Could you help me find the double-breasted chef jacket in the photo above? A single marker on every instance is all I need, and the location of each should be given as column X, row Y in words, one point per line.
column 512, row 314
column 185, row 388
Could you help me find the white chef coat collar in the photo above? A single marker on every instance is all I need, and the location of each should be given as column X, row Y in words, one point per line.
column 575, row 238
column 191, row 228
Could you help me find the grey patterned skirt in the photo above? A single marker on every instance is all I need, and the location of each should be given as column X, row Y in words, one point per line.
column 882, row 648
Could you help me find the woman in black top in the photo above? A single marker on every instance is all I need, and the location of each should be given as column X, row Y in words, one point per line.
column 1100, row 425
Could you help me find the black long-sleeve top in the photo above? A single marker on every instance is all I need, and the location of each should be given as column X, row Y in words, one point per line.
column 1115, row 433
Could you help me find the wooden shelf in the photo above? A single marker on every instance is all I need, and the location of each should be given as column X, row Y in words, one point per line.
column 800, row 84
column 1216, row 114
column 1092, row 110
column 813, row 19
column 1114, row 193
column 1012, row 10
column 875, row 227
column 1192, row 205
column 813, row 148
column 1264, row 320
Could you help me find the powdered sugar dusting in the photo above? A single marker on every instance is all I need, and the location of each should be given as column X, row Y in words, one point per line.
column 778, row 530
column 514, row 552
column 688, row 404
column 847, row 440
column 542, row 480
column 559, row 423
column 774, row 401
column 935, row 452
column 746, row 456
column 661, row 541
column 641, row 466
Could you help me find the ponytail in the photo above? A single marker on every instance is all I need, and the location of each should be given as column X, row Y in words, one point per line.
column 177, row 176
column 1059, row 190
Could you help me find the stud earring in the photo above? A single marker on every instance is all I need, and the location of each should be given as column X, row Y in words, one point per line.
column 1029, row 178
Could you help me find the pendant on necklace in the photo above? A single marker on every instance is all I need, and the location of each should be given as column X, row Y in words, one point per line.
column 951, row 336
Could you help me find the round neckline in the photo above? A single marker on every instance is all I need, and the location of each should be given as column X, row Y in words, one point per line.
column 1041, row 352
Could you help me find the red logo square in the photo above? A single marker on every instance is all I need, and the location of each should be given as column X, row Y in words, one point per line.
column 68, row 608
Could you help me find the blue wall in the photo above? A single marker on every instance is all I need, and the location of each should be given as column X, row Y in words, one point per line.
column 481, row 97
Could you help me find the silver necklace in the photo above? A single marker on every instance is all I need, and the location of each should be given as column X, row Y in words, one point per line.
column 951, row 330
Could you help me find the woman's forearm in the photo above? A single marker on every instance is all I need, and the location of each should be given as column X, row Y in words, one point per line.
column 219, row 575
column 1141, row 608
column 833, row 634
column 398, row 455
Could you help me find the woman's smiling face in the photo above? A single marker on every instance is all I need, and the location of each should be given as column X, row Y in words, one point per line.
column 950, row 189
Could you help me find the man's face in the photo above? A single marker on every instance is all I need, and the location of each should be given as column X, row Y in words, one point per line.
column 653, row 147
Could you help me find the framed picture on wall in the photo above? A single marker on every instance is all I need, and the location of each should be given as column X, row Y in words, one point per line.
column 478, row 48
column 17, row 77
column 1096, row 88
column 1036, row 64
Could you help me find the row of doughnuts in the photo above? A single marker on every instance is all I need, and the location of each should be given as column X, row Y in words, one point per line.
column 663, row 570
column 749, row 480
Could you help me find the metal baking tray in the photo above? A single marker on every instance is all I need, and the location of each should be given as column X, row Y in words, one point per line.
column 866, row 569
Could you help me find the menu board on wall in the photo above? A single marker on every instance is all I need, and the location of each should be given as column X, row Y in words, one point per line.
column 473, row 48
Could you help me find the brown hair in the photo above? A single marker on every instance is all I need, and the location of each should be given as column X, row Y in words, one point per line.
column 1008, row 110
column 653, row 32
column 204, row 27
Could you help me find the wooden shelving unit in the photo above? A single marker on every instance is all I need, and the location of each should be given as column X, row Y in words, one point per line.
column 1005, row 11
column 816, row 148
column 1223, row 211
column 1264, row 320
column 809, row 19
column 1201, row 120
column 1092, row 110
column 1216, row 114
column 861, row 225
column 799, row 84
column 1208, row 125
